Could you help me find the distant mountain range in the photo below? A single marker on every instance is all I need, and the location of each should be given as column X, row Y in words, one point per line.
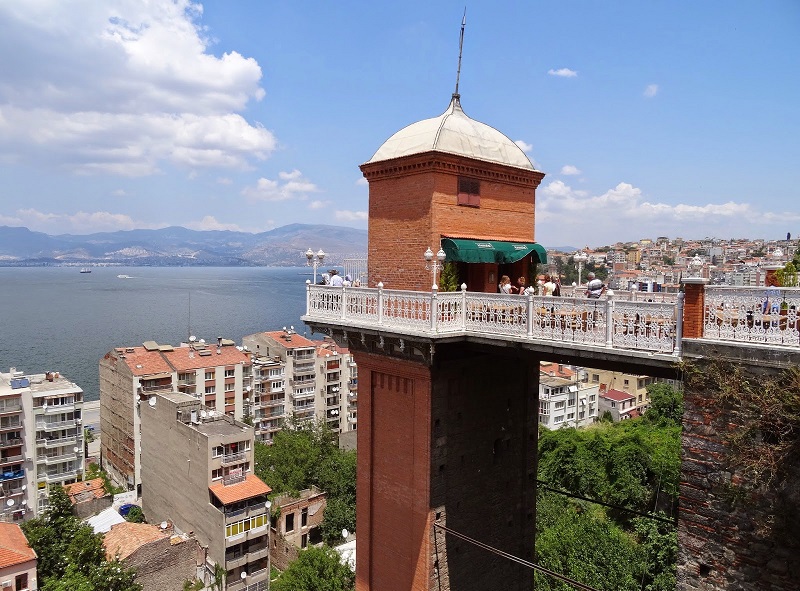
column 176, row 246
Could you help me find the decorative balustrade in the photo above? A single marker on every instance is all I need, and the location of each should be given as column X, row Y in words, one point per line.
column 752, row 314
column 638, row 325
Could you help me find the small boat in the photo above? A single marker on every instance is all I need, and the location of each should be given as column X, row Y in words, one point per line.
column 124, row 277
column 86, row 270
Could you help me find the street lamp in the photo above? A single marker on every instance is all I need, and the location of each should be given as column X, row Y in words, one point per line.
column 314, row 260
column 580, row 257
column 434, row 265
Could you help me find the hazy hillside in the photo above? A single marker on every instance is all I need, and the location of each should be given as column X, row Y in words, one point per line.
column 178, row 246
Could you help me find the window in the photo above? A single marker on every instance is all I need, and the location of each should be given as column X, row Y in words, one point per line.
column 229, row 373
column 240, row 527
column 217, row 451
column 595, row 378
column 289, row 523
column 626, row 382
column 304, row 518
column 211, row 389
column 209, row 375
column 304, row 540
column 469, row 192
column 613, row 404
column 230, row 387
column 216, row 474
column 559, row 419
column 21, row 582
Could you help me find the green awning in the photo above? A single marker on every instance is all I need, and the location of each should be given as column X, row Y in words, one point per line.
column 490, row 251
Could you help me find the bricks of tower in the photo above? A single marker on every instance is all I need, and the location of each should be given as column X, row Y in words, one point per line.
column 413, row 203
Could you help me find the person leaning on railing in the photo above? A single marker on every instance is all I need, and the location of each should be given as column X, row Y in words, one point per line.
column 594, row 288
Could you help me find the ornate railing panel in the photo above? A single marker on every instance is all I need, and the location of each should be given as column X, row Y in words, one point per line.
column 752, row 314
column 646, row 326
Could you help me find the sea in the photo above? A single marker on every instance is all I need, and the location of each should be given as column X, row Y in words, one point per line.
column 59, row 319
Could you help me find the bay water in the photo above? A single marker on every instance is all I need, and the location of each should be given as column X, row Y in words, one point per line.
column 58, row 319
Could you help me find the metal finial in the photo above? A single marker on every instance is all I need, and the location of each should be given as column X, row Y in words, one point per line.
column 460, row 50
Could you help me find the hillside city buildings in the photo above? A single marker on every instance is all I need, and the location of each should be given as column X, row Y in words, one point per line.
column 41, row 440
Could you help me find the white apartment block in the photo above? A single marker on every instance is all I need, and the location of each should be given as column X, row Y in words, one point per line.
column 41, row 440
column 295, row 376
column 220, row 375
column 566, row 402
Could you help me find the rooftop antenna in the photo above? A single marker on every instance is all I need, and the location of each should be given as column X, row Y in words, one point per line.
column 456, row 96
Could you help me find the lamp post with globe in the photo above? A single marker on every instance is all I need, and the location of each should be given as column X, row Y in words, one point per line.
column 314, row 260
column 434, row 265
column 580, row 258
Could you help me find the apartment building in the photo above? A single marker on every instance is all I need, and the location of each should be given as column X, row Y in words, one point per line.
column 621, row 405
column 320, row 381
column 634, row 385
column 219, row 375
column 41, row 440
column 197, row 472
column 565, row 399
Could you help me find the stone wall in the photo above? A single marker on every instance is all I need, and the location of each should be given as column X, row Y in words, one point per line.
column 164, row 565
column 740, row 478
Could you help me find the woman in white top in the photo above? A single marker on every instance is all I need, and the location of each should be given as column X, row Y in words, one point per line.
column 549, row 285
column 505, row 285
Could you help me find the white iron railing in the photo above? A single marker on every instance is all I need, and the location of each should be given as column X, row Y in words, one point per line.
column 637, row 325
column 752, row 314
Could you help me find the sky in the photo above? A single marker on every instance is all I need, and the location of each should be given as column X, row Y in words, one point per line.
column 662, row 118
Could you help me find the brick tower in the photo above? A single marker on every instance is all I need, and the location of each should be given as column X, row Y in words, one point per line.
column 455, row 182
column 447, row 431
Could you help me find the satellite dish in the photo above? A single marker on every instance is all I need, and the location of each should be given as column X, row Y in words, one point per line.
column 152, row 401
column 202, row 340
column 203, row 413
column 24, row 501
column 164, row 525
column 345, row 533
column 10, row 502
column 192, row 339
column 243, row 575
column 24, row 486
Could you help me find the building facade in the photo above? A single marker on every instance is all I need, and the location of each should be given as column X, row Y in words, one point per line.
column 219, row 375
column 197, row 472
column 17, row 560
column 41, row 440
column 565, row 400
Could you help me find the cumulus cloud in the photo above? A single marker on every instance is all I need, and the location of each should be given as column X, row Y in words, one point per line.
column 563, row 73
column 209, row 222
column 318, row 204
column 290, row 185
column 569, row 170
column 651, row 90
column 362, row 182
column 81, row 222
column 350, row 216
column 123, row 87
column 565, row 215
column 524, row 146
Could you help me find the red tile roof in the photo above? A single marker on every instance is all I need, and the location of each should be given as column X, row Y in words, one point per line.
column 126, row 538
column 552, row 369
column 143, row 362
column 82, row 491
column 295, row 342
column 617, row 395
column 14, row 547
column 181, row 360
column 251, row 487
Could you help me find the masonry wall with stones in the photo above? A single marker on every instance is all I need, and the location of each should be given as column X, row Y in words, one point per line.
column 165, row 564
column 739, row 526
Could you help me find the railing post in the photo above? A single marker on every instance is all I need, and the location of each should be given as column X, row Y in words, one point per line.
column 530, row 313
column 380, row 302
column 308, row 297
column 610, row 320
column 434, row 308
column 344, row 302
column 463, row 306
column 694, row 307
column 679, row 326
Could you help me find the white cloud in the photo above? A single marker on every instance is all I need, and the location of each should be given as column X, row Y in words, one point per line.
column 350, row 216
column 223, row 180
column 569, row 170
column 209, row 222
column 119, row 193
column 650, row 90
column 362, row 182
column 293, row 186
column 563, row 73
column 78, row 223
column 120, row 87
column 525, row 147
column 317, row 204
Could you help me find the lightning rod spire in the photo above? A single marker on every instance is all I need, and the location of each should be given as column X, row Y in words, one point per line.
column 457, row 96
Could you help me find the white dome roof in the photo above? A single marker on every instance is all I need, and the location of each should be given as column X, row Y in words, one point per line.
column 454, row 133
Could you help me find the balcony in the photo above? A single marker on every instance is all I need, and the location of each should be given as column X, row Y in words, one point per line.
column 11, row 491
column 10, row 442
column 233, row 479
column 235, row 458
column 54, row 425
column 12, row 459
column 8, row 425
column 7, row 475
column 50, row 443
column 10, row 407
column 50, row 409
column 47, row 460
column 52, row 477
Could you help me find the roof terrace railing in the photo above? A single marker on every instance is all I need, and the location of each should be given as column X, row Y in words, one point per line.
column 752, row 314
column 652, row 327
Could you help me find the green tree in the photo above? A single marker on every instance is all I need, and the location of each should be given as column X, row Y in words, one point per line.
column 316, row 569
column 306, row 454
column 658, row 543
column 666, row 404
column 448, row 280
column 135, row 515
